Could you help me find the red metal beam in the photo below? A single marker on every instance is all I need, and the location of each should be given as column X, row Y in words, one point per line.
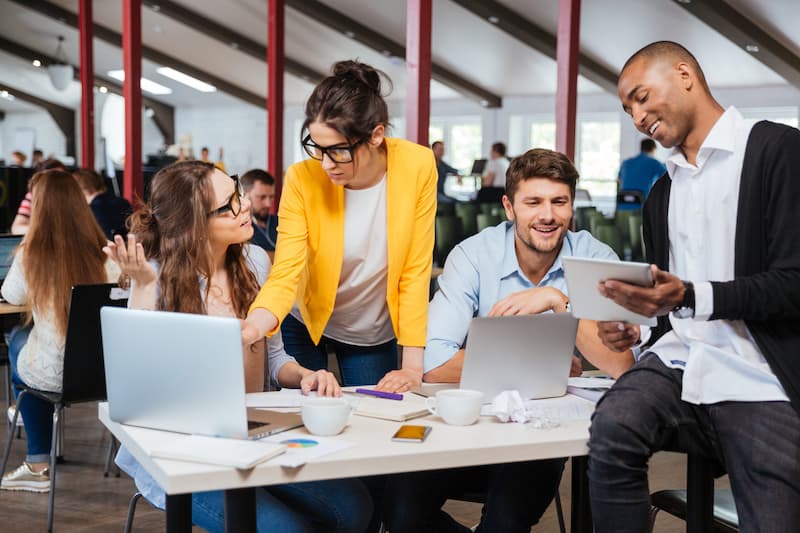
column 132, row 91
column 276, row 59
column 567, row 57
column 418, row 70
column 86, row 34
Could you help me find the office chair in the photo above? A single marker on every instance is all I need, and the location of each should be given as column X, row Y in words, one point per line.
column 84, row 371
column 703, row 508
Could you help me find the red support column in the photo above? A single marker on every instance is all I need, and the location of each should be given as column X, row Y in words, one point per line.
column 86, row 33
column 418, row 70
column 132, row 91
column 567, row 50
column 275, row 64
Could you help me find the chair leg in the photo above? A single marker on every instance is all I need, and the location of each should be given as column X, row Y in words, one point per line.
column 653, row 513
column 60, row 440
column 131, row 512
column 57, row 410
column 560, row 514
column 112, row 447
column 10, row 438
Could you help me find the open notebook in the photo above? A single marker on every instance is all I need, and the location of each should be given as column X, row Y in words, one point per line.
column 411, row 406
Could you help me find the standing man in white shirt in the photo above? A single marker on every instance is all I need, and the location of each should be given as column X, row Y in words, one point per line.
column 720, row 376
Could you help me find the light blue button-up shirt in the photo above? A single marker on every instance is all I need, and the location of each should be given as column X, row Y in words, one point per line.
column 482, row 270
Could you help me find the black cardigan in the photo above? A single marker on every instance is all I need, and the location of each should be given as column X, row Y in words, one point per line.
column 765, row 291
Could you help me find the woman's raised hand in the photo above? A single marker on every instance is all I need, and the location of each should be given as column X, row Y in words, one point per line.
column 131, row 260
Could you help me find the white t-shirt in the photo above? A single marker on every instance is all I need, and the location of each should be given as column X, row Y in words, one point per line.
column 499, row 166
column 360, row 315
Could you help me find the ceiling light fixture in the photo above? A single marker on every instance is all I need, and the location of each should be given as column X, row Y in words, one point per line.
column 752, row 48
column 7, row 95
column 37, row 63
column 493, row 19
column 60, row 71
column 187, row 80
column 103, row 89
column 148, row 86
column 350, row 34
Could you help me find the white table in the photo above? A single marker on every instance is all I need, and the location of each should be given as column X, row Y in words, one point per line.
column 486, row 442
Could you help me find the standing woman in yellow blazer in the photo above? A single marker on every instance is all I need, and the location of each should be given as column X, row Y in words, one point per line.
column 355, row 240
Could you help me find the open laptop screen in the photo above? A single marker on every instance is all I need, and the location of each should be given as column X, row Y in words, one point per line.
column 8, row 243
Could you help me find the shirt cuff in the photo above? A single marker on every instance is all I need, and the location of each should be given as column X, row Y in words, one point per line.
column 435, row 356
column 703, row 300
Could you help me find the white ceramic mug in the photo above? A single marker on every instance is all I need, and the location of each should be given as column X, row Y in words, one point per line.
column 457, row 407
column 325, row 416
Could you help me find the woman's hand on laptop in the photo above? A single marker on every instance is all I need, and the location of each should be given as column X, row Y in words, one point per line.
column 321, row 381
column 531, row 302
column 618, row 336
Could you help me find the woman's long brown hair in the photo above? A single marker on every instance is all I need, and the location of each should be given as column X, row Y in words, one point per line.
column 173, row 229
column 64, row 245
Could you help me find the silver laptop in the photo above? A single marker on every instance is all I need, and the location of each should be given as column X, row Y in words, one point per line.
column 181, row 372
column 531, row 354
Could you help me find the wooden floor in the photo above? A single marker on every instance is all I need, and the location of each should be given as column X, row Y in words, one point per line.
column 88, row 502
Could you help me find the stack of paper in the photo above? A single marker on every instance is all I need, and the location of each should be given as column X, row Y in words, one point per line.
column 411, row 406
column 242, row 454
column 589, row 388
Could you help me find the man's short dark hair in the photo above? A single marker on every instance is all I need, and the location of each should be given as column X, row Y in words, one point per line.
column 500, row 148
column 668, row 50
column 434, row 144
column 38, row 152
column 249, row 178
column 647, row 145
column 89, row 180
column 540, row 163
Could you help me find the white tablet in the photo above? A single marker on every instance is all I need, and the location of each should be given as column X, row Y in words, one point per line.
column 583, row 275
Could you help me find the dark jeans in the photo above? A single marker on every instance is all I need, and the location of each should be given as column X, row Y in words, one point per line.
column 515, row 496
column 758, row 443
column 36, row 413
column 358, row 365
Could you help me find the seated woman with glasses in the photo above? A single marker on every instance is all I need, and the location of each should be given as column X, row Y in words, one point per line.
column 194, row 257
column 355, row 240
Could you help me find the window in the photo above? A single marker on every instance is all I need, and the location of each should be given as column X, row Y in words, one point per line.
column 543, row 135
column 598, row 155
column 782, row 115
column 463, row 139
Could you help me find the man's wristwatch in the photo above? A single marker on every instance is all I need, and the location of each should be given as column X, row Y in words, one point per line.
column 685, row 309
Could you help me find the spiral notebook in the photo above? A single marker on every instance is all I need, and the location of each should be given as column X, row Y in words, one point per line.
column 237, row 453
column 411, row 406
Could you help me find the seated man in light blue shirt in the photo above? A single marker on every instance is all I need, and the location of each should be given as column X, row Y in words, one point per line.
column 513, row 268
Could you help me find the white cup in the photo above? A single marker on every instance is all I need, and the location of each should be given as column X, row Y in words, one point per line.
column 457, row 407
column 325, row 416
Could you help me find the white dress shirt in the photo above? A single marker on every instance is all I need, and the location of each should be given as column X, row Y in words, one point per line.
column 721, row 361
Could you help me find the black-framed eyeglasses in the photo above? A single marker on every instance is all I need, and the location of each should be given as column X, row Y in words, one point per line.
column 338, row 153
column 234, row 204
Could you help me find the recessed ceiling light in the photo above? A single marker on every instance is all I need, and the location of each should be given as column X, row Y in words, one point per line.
column 752, row 48
column 235, row 45
column 485, row 103
column 350, row 34
column 37, row 63
column 103, row 89
column 148, row 86
column 493, row 19
column 7, row 95
column 187, row 80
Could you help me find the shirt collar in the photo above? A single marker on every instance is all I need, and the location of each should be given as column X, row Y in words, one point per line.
column 511, row 264
column 721, row 137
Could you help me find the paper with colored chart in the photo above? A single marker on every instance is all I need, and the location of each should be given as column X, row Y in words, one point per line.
column 302, row 448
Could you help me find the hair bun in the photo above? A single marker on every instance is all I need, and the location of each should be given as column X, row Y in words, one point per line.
column 360, row 72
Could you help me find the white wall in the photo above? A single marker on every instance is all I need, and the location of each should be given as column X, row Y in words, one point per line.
column 48, row 136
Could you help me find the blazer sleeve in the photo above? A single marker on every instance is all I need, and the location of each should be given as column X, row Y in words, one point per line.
column 415, row 278
column 278, row 294
column 767, row 283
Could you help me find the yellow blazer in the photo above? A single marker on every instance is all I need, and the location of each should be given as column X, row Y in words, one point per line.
column 308, row 257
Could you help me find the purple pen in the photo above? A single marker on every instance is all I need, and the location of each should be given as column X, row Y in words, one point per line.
column 379, row 394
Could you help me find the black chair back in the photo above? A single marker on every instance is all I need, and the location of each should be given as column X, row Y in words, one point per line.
column 630, row 197
column 84, row 371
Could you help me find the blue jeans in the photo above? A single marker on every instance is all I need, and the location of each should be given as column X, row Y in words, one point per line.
column 36, row 413
column 757, row 442
column 515, row 496
column 341, row 505
column 358, row 365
